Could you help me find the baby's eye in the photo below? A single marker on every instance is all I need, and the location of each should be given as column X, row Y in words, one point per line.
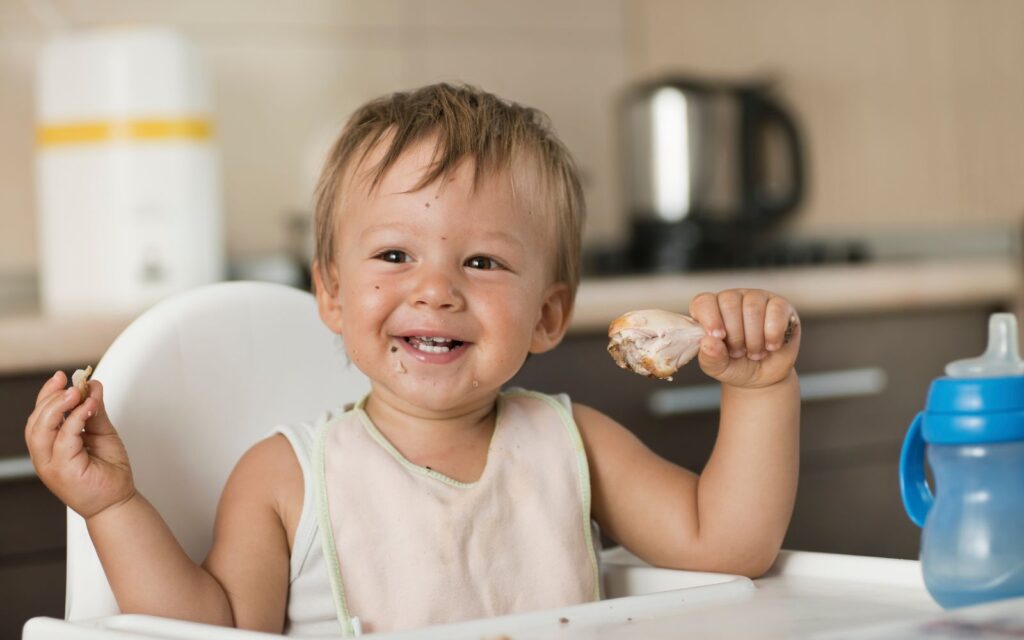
column 393, row 255
column 483, row 262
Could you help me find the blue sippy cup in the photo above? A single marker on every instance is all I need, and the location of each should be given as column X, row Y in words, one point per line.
column 972, row 545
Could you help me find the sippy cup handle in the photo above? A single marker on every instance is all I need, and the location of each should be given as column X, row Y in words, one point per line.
column 917, row 497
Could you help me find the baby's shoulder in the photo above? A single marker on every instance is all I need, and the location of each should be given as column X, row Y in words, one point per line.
column 599, row 431
column 272, row 450
column 586, row 415
column 269, row 476
column 269, row 463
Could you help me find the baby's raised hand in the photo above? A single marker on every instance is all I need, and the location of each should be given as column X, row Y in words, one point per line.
column 75, row 450
column 753, row 336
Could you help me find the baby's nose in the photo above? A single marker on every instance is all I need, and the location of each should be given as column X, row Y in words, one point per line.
column 437, row 289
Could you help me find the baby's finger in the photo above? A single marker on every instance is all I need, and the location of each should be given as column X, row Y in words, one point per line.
column 39, row 441
column 730, row 304
column 713, row 356
column 99, row 423
column 754, row 304
column 779, row 318
column 49, row 415
column 704, row 309
column 48, row 393
column 43, row 425
column 68, row 442
column 56, row 382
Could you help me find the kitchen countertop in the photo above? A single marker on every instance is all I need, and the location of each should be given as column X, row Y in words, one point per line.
column 32, row 341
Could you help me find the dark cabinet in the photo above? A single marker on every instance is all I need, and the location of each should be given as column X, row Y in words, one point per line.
column 848, row 499
column 33, row 526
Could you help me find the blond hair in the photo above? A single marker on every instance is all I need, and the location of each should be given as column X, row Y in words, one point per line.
column 467, row 123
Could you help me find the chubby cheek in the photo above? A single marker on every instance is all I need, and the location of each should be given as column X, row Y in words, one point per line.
column 364, row 312
column 368, row 297
column 512, row 322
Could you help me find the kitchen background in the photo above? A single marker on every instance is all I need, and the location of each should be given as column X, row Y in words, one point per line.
column 914, row 143
column 911, row 109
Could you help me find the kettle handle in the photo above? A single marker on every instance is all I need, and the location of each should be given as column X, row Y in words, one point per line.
column 917, row 496
column 759, row 207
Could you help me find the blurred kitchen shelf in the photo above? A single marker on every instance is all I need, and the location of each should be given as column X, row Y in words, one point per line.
column 818, row 290
column 917, row 244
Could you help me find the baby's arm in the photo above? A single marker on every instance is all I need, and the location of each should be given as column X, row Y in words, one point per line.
column 733, row 517
column 81, row 459
column 244, row 580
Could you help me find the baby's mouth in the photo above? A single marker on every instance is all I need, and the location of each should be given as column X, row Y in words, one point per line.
column 431, row 344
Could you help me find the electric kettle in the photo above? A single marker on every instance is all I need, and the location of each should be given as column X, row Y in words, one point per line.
column 706, row 164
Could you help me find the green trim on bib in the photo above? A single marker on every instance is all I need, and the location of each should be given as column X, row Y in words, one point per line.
column 583, row 472
column 375, row 433
column 323, row 516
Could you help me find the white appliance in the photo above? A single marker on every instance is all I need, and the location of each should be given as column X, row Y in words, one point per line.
column 128, row 176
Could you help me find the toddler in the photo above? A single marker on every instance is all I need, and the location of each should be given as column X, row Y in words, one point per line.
column 448, row 226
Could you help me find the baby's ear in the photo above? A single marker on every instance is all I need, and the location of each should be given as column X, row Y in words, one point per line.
column 328, row 302
column 555, row 313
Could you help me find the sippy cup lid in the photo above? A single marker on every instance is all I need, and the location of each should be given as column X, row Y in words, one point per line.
column 1001, row 357
column 981, row 399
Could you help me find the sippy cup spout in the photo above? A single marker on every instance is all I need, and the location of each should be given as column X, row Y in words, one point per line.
column 1001, row 357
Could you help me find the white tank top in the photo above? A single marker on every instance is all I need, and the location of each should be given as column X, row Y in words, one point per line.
column 386, row 544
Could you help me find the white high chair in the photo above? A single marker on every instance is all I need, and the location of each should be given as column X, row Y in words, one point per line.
column 190, row 385
column 199, row 378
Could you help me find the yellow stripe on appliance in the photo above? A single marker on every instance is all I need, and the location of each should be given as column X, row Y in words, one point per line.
column 141, row 130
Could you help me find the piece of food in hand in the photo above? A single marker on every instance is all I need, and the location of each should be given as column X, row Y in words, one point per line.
column 80, row 379
column 653, row 342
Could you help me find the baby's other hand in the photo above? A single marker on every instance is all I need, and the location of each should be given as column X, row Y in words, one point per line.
column 75, row 449
column 753, row 336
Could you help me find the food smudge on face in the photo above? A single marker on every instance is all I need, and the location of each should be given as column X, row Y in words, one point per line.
column 399, row 367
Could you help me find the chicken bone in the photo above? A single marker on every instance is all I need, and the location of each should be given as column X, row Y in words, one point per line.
column 654, row 342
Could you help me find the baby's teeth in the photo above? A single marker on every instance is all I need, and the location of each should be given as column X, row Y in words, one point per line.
column 430, row 349
column 430, row 344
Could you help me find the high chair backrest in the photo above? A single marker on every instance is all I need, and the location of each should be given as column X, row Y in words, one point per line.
column 190, row 385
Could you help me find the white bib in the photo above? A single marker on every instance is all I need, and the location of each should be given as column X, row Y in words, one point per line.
column 408, row 547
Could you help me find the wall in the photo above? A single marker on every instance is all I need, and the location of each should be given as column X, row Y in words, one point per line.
column 287, row 74
column 912, row 108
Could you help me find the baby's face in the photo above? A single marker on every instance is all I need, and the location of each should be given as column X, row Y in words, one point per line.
column 442, row 291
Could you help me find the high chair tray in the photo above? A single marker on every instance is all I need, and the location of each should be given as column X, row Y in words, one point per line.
column 804, row 595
